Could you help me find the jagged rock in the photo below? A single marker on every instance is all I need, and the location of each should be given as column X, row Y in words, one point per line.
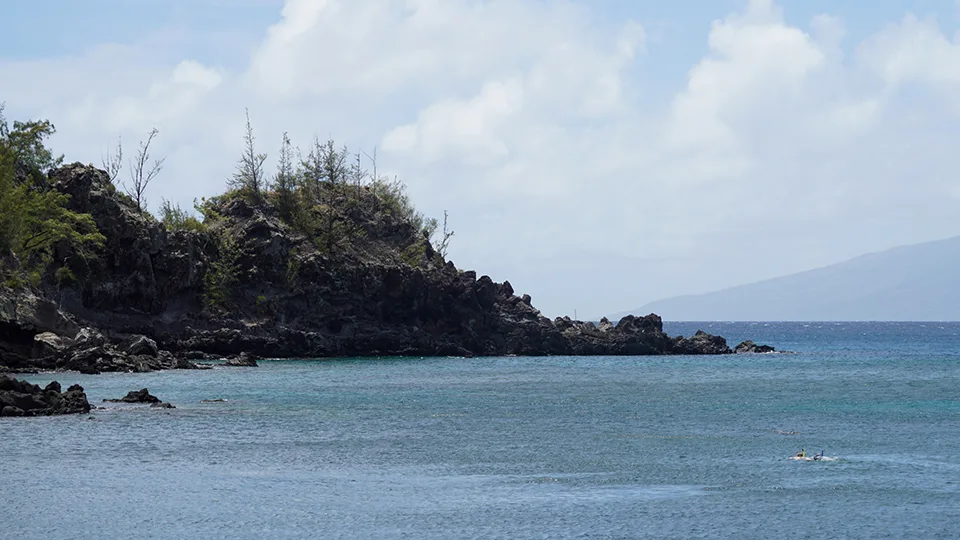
column 751, row 347
column 136, row 396
column 701, row 343
column 89, row 337
column 50, row 344
column 244, row 359
column 20, row 398
column 141, row 346
column 605, row 325
column 23, row 315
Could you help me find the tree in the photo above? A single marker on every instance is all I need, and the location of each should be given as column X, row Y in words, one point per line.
column 248, row 178
column 112, row 163
column 142, row 172
column 324, row 164
column 447, row 234
column 25, row 143
column 33, row 217
column 357, row 173
column 284, row 182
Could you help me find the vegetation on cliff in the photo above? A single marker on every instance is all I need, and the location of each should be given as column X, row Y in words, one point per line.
column 327, row 197
column 34, row 219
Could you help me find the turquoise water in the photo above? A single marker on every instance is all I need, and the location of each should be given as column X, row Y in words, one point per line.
column 609, row 447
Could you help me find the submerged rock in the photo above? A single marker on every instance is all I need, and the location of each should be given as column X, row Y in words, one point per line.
column 20, row 398
column 162, row 405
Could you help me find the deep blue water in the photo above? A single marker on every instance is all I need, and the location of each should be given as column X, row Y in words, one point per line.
column 609, row 447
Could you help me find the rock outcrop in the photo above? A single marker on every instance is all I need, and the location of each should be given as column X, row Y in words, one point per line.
column 243, row 359
column 751, row 347
column 136, row 396
column 142, row 396
column 20, row 398
column 90, row 352
column 140, row 305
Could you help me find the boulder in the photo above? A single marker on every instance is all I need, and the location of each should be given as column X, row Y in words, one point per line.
column 49, row 344
column 89, row 337
column 141, row 346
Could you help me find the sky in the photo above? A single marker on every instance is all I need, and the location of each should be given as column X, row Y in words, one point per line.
column 598, row 154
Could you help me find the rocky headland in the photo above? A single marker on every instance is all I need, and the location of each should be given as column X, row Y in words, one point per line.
column 354, row 273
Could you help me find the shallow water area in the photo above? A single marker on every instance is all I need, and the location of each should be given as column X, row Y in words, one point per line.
column 606, row 447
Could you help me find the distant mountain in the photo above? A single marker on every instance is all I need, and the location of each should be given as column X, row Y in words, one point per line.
column 909, row 283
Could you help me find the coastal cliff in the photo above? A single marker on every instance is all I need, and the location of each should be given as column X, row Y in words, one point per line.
column 322, row 261
column 385, row 291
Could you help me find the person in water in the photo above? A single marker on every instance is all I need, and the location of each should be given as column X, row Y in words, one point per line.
column 818, row 457
column 801, row 453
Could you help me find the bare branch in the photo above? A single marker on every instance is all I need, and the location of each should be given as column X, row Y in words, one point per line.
column 112, row 163
column 142, row 172
column 447, row 235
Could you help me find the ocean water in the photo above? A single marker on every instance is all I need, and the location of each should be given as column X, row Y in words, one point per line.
column 444, row 448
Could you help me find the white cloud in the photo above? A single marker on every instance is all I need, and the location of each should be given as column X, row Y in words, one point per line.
column 533, row 123
column 913, row 51
column 468, row 128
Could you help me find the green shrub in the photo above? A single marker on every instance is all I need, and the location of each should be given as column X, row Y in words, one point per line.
column 223, row 273
column 175, row 218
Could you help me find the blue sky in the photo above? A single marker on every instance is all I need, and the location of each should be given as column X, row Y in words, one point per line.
column 599, row 155
column 679, row 25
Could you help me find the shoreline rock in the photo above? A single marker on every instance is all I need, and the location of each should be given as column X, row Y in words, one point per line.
column 20, row 398
column 243, row 359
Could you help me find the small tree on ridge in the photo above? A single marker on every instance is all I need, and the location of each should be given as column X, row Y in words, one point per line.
column 142, row 172
column 248, row 177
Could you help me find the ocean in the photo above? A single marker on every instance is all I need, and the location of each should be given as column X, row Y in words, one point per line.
column 514, row 448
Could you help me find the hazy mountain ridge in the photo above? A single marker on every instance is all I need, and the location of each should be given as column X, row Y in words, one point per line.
column 916, row 282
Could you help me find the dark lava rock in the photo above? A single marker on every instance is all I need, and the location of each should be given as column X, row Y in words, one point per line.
column 702, row 343
column 751, row 347
column 137, row 396
column 162, row 405
column 20, row 398
column 242, row 360
column 141, row 346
